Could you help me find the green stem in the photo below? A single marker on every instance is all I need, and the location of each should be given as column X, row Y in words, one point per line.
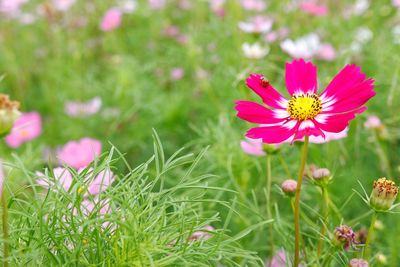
column 325, row 196
column 367, row 248
column 382, row 155
column 269, row 213
column 5, row 229
column 297, row 204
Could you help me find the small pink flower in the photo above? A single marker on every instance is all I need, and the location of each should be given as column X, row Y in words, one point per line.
column 26, row 128
column 326, row 52
column 62, row 179
column 358, row 263
column 252, row 146
column 373, row 122
column 11, row 7
column 306, row 113
column 79, row 154
column 396, row 3
column 157, row 4
column 63, row 5
column 177, row 74
column 329, row 137
column 255, row 5
column 314, row 9
column 217, row 7
column 171, row 31
column 257, row 24
column 111, row 20
column 203, row 234
column 81, row 109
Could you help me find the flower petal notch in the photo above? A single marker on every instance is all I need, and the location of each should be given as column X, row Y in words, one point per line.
column 306, row 112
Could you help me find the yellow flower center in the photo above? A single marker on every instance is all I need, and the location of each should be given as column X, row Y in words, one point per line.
column 304, row 106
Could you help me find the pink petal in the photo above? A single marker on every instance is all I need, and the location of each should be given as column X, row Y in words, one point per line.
column 301, row 77
column 347, row 91
column 252, row 147
column 274, row 134
column 102, row 181
column 26, row 128
column 268, row 94
column 336, row 122
column 307, row 128
column 255, row 113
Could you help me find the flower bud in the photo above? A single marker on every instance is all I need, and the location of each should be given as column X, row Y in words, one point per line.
column 358, row 263
column 321, row 176
column 271, row 148
column 8, row 114
column 381, row 259
column 289, row 187
column 344, row 236
column 383, row 194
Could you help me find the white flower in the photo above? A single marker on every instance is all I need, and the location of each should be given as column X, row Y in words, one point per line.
column 360, row 7
column 363, row 35
column 254, row 51
column 128, row 6
column 305, row 47
column 257, row 24
column 396, row 34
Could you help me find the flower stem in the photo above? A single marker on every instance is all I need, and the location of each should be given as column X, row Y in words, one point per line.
column 297, row 203
column 367, row 248
column 325, row 202
column 269, row 204
column 5, row 229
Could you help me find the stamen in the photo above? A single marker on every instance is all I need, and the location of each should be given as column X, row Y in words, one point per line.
column 304, row 106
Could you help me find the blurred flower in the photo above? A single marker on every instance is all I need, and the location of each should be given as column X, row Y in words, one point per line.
column 381, row 259
column 255, row 5
column 329, row 137
column 360, row 7
column 304, row 47
column 63, row 179
column 111, row 20
column 344, row 237
column 9, row 114
column 358, row 263
column 63, row 5
column 373, row 122
column 177, row 74
column 79, row 154
column 383, row 194
column 82, row 109
column 289, row 187
column 279, row 259
column 157, row 4
column 306, row 113
column 273, row 36
column 26, row 128
column 396, row 3
column 326, row 52
column 252, row 146
column 171, row 31
column 313, row 8
column 11, row 7
column 203, row 234
column 363, row 35
column 320, row 174
column 361, row 235
column 185, row 4
column 396, row 34
column 217, row 7
column 127, row 6
column 254, row 51
column 257, row 24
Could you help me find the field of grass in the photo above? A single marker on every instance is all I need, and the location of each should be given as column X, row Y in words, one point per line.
column 163, row 78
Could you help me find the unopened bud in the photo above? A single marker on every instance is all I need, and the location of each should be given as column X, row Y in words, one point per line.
column 321, row 176
column 289, row 187
column 381, row 258
column 383, row 194
column 8, row 114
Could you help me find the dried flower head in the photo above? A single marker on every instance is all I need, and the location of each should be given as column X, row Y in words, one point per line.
column 383, row 194
column 8, row 114
column 344, row 236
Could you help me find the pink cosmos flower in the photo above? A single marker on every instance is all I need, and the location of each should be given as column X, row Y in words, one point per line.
column 111, row 20
column 203, row 234
column 217, row 6
column 63, row 180
column 26, row 128
column 314, row 9
column 257, row 24
column 81, row 109
column 396, row 3
column 373, row 122
column 326, row 52
column 11, row 7
column 252, row 146
column 63, row 5
column 255, row 5
column 156, row 4
column 306, row 113
column 79, row 154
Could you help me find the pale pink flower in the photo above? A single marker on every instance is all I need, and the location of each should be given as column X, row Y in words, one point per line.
column 156, row 4
column 62, row 179
column 373, row 122
column 217, row 7
column 312, row 8
column 358, row 263
column 63, row 5
column 127, row 6
column 171, row 31
column 326, row 52
column 329, row 137
column 252, row 146
column 79, row 154
column 177, row 74
column 111, row 20
column 203, row 234
column 257, row 24
column 81, row 109
column 26, row 128
column 305, row 47
column 271, row 37
column 11, row 7
column 255, row 5
column 396, row 3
